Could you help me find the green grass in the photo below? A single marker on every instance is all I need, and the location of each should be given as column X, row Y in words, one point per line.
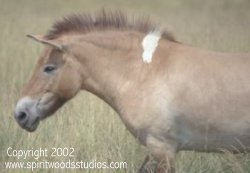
column 87, row 123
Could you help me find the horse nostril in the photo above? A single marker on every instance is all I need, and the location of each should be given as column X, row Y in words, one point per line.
column 21, row 116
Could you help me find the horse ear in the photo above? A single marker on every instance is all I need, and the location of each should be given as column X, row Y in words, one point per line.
column 43, row 40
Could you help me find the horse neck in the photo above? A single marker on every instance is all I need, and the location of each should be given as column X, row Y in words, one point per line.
column 109, row 63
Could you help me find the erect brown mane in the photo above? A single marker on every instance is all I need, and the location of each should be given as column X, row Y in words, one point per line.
column 105, row 20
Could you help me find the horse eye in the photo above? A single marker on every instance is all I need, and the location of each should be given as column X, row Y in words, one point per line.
column 49, row 68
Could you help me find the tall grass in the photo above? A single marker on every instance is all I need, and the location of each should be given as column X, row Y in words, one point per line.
column 87, row 123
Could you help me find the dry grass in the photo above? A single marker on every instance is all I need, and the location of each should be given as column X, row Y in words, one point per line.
column 86, row 123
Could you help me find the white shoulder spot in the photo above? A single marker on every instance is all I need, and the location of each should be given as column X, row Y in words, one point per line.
column 149, row 44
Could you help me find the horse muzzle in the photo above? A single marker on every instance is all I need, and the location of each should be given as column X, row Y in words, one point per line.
column 26, row 114
column 29, row 112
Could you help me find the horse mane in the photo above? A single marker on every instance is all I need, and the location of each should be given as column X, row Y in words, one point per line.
column 104, row 20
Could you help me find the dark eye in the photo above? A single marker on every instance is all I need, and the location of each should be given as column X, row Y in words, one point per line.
column 49, row 68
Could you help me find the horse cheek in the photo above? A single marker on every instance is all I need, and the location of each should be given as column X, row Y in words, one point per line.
column 69, row 85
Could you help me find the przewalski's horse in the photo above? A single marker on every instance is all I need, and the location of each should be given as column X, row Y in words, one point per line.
column 170, row 96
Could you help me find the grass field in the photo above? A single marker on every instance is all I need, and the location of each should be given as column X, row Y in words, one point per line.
column 87, row 123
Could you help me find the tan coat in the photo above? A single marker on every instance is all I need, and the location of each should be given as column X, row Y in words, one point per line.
column 185, row 99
